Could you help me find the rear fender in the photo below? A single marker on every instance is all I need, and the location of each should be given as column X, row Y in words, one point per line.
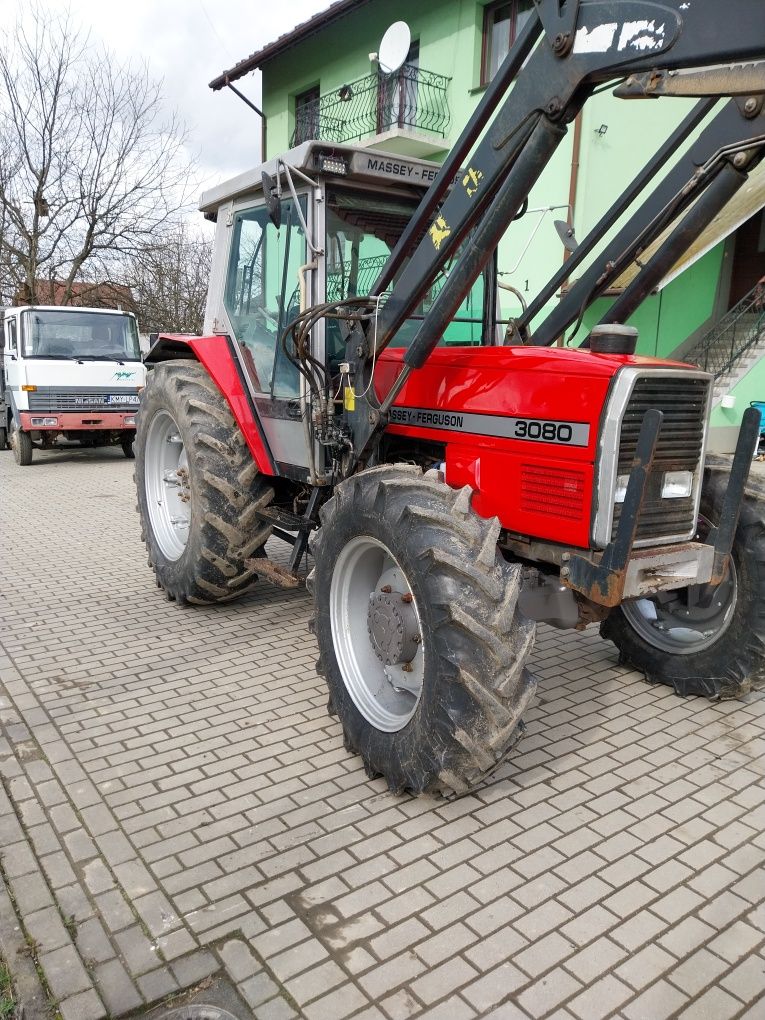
column 216, row 354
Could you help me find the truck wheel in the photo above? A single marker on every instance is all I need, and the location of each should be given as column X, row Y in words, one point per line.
column 420, row 640
column 700, row 640
column 198, row 488
column 21, row 444
column 127, row 447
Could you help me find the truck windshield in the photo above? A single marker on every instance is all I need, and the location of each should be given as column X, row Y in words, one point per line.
column 362, row 229
column 90, row 336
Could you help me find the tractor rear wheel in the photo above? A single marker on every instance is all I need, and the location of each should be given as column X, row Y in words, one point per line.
column 420, row 639
column 199, row 490
column 703, row 640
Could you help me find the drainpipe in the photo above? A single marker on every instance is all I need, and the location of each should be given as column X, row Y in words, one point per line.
column 574, row 178
column 573, row 183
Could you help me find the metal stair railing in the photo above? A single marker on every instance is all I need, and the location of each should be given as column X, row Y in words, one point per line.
column 725, row 344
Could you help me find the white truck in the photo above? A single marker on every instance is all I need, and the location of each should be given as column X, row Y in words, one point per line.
column 72, row 374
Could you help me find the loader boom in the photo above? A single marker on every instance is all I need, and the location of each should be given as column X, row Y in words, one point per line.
column 583, row 44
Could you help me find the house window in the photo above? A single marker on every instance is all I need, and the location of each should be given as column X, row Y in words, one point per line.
column 307, row 115
column 501, row 24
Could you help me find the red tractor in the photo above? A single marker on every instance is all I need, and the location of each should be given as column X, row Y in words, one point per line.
column 459, row 478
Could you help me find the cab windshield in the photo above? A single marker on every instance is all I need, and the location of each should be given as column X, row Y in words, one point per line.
column 362, row 229
column 80, row 336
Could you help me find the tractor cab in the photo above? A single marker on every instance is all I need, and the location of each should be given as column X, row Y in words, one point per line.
column 317, row 225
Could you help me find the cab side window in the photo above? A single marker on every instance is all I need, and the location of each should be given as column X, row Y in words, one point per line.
column 262, row 292
column 10, row 335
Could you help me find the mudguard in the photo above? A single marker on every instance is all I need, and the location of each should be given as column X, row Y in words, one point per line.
column 216, row 354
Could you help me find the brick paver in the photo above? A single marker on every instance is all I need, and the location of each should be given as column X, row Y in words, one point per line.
column 177, row 802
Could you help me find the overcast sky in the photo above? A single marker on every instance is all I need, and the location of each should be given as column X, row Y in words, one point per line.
column 186, row 43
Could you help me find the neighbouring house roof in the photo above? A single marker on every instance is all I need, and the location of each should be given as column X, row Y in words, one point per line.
column 52, row 292
column 284, row 42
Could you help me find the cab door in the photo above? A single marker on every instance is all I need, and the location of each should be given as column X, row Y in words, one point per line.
column 12, row 372
column 261, row 297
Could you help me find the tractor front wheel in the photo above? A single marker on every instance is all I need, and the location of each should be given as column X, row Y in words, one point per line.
column 703, row 640
column 420, row 639
column 199, row 490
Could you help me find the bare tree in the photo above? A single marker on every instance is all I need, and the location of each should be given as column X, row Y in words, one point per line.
column 90, row 166
column 169, row 280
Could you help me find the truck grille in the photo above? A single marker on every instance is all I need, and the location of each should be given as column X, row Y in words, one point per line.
column 684, row 402
column 48, row 398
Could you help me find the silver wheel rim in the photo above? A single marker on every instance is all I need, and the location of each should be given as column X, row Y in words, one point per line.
column 367, row 585
column 168, row 495
column 688, row 620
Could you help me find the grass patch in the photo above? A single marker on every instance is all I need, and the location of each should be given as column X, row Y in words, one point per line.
column 7, row 1001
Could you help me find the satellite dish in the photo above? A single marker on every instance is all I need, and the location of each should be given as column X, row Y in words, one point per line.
column 394, row 47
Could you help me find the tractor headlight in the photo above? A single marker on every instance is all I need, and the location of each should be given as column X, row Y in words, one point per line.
column 621, row 488
column 677, row 484
column 44, row 421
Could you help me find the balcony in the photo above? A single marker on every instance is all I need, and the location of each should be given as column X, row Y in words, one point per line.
column 406, row 112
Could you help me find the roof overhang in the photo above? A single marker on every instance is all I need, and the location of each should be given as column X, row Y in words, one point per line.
column 285, row 42
column 747, row 201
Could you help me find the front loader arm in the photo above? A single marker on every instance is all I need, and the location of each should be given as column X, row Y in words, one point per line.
column 735, row 129
column 608, row 40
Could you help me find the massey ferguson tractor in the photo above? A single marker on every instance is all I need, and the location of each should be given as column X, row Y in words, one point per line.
column 458, row 478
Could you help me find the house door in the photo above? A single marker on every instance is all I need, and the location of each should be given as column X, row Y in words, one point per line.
column 748, row 257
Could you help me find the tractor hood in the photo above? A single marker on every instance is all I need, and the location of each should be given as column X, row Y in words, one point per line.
column 527, row 382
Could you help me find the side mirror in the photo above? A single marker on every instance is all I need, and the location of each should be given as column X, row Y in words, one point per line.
column 567, row 236
column 273, row 202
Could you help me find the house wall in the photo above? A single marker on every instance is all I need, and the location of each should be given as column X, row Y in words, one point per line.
column 684, row 306
column 449, row 34
column 725, row 421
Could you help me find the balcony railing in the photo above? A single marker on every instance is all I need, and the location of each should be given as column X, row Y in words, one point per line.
column 411, row 98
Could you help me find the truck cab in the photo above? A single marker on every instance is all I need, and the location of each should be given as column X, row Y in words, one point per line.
column 68, row 375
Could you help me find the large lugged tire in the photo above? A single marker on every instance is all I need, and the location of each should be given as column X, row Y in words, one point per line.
column 199, row 489
column 21, row 444
column 420, row 641
column 715, row 648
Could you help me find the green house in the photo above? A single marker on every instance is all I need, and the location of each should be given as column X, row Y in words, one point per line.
column 323, row 80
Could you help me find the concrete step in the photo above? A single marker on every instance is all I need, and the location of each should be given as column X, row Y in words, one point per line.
column 725, row 383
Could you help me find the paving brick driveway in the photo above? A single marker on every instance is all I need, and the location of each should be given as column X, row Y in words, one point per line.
column 176, row 798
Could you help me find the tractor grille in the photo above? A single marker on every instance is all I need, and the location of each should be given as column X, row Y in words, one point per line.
column 49, row 398
column 684, row 404
column 558, row 492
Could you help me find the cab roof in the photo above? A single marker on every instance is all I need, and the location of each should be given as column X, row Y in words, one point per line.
column 65, row 308
column 362, row 164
